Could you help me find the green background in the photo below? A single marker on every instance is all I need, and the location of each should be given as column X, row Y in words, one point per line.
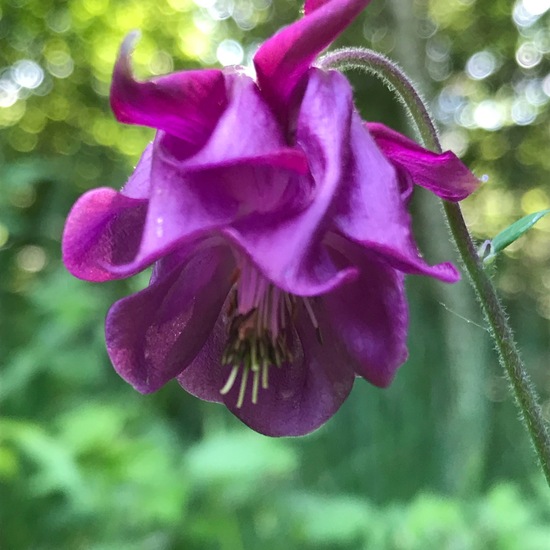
column 439, row 460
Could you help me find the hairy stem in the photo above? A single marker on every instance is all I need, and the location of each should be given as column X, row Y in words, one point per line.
column 524, row 392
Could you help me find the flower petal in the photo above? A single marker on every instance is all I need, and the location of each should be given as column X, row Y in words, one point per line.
column 302, row 395
column 152, row 336
column 104, row 228
column 370, row 316
column 372, row 210
column 233, row 176
column 205, row 376
column 138, row 185
column 287, row 247
column 234, row 140
column 186, row 104
column 283, row 60
column 442, row 173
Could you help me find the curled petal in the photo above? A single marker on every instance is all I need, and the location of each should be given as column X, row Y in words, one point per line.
column 152, row 336
column 302, row 395
column 444, row 174
column 103, row 229
column 370, row 316
column 186, row 104
column 372, row 209
column 283, row 60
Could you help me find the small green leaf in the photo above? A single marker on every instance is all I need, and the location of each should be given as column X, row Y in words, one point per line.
column 513, row 232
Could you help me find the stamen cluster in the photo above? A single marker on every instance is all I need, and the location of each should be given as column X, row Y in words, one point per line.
column 258, row 315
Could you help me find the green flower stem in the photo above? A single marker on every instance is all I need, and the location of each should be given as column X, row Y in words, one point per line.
column 523, row 390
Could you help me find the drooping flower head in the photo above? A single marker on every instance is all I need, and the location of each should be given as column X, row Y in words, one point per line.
column 277, row 224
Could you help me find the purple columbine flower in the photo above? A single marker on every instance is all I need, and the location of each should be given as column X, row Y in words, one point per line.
column 277, row 223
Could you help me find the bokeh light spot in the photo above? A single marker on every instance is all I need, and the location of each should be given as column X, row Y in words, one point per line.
column 59, row 21
column 536, row 7
column 31, row 258
column 9, row 90
column 523, row 112
column 28, row 74
column 230, row 52
column 60, row 64
column 489, row 115
column 22, row 141
column 96, row 7
column 534, row 200
column 23, row 197
column 528, row 56
column 161, row 63
column 105, row 131
column 220, row 10
column 481, row 65
column 58, row 108
column 522, row 17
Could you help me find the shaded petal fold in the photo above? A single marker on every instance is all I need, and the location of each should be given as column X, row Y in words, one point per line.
column 205, row 376
column 185, row 104
column 283, row 60
column 369, row 316
column 372, row 210
column 152, row 336
column 442, row 173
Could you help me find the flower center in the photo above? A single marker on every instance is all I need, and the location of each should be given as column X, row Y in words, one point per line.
column 260, row 315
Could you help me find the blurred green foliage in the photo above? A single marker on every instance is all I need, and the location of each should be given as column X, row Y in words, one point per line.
column 438, row 461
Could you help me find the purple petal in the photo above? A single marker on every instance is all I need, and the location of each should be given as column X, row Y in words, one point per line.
column 283, row 60
column 370, row 316
column 287, row 247
column 185, row 104
column 444, row 174
column 152, row 336
column 138, row 185
column 372, row 211
column 302, row 395
column 233, row 176
column 235, row 140
column 205, row 376
column 103, row 229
